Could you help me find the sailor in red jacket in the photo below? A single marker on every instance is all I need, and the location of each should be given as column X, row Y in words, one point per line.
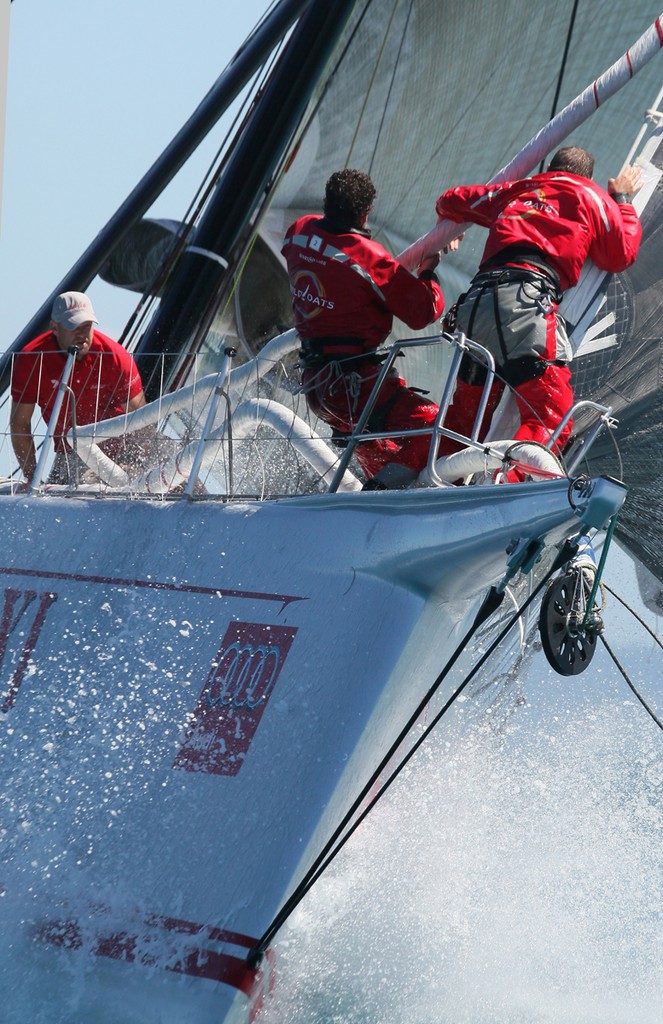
column 104, row 382
column 540, row 232
column 346, row 290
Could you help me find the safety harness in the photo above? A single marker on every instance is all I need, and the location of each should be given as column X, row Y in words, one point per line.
column 350, row 354
column 495, row 273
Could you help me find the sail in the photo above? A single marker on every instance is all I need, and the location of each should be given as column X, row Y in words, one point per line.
column 419, row 121
column 620, row 365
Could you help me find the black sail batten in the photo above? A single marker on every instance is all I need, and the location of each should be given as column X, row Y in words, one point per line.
column 627, row 374
column 202, row 274
column 225, row 90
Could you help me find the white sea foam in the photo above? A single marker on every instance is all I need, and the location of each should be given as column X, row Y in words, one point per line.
column 501, row 882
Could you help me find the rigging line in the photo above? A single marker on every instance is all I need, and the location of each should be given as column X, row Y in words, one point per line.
column 391, row 83
column 371, row 83
column 195, row 207
column 332, row 75
column 435, row 721
column 279, row 172
column 330, row 850
column 621, row 668
column 463, row 114
column 221, row 299
column 635, row 615
column 562, row 69
column 163, row 270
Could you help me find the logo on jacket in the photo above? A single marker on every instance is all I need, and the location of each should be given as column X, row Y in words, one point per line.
column 308, row 294
column 528, row 207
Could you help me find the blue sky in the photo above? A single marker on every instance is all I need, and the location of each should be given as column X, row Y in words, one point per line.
column 96, row 90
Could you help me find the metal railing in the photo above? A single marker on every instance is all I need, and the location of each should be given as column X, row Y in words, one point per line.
column 204, row 439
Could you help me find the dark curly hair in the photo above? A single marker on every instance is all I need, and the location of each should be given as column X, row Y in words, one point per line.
column 349, row 195
column 573, row 159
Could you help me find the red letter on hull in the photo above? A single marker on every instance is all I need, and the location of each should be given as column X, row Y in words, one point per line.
column 234, row 697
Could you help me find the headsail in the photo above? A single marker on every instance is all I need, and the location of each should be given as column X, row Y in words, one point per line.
column 622, row 366
column 554, row 133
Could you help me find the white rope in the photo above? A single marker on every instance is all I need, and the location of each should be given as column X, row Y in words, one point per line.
column 533, row 459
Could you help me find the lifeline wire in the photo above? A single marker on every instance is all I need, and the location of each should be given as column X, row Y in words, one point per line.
column 329, row 851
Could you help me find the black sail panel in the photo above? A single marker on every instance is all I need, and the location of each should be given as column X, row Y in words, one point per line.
column 627, row 375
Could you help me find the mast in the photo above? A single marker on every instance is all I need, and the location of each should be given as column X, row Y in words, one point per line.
column 224, row 91
column 203, row 274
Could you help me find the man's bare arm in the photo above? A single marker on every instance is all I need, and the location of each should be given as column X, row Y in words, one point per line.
column 137, row 402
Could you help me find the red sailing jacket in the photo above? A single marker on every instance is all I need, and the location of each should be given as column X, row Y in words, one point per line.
column 564, row 216
column 345, row 285
column 103, row 381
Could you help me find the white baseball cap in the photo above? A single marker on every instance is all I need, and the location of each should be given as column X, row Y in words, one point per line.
column 71, row 309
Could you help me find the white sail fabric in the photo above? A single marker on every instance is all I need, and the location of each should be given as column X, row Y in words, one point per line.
column 551, row 135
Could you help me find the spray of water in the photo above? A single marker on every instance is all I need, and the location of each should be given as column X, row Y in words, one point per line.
column 503, row 880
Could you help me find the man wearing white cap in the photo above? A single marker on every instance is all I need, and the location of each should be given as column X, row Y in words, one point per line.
column 104, row 380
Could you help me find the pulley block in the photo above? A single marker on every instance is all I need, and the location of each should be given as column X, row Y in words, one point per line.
column 568, row 640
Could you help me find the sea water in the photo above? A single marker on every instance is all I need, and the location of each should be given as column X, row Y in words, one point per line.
column 512, row 875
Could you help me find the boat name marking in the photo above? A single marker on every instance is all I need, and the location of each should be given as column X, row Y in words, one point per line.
column 240, row 682
column 16, row 604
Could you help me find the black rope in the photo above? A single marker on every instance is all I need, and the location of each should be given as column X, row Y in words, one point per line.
column 620, row 666
column 623, row 671
column 339, row 63
column 192, row 214
column 462, row 114
column 391, row 86
column 335, row 843
column 560, row 77
column 635, row 615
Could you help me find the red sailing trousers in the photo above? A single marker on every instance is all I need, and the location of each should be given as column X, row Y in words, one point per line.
column 339, row 398
column 542, row 402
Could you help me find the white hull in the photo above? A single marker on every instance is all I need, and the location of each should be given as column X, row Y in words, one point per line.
column 154, row 820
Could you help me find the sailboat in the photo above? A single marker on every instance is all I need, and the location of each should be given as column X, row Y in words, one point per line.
column 203, row 694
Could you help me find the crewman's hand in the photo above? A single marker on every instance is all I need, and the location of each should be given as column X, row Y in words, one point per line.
column 453, row 244
column 628, row 181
